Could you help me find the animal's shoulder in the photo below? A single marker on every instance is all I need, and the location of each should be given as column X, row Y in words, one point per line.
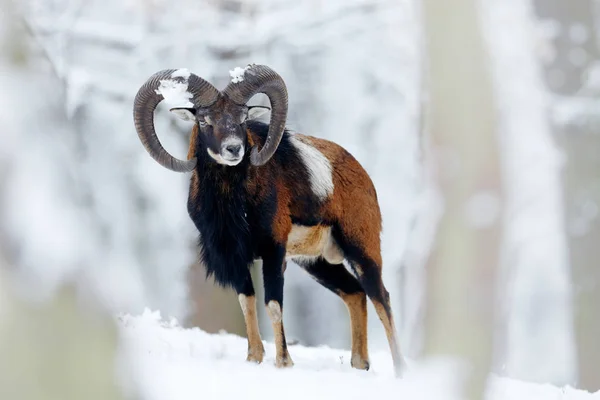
column 296, row 145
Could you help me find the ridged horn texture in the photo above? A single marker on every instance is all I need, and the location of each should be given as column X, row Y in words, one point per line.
column 262, row 79
column 147, row 99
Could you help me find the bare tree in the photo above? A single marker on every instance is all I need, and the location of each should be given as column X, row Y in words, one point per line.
column 576, row 59
column 463, row 264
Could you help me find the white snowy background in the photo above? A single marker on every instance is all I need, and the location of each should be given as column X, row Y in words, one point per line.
column 81, row 201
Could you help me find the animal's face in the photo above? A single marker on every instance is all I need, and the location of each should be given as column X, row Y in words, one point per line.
column 223, row 129
column 221, row 115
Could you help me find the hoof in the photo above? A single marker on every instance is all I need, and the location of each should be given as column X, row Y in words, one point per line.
column 358, row 363
column 256, row 355
column 255, row 358
column 284, row 362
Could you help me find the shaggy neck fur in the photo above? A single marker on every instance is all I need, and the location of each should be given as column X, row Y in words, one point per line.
column 220, row 214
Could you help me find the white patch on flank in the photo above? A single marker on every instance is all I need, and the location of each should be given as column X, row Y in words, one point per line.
column 305, row 243
column 175, row 93
column 237, row 74
column 181, row 73
column 318, row 166
column 332, row 253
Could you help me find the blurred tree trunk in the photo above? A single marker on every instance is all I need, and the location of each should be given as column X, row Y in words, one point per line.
column 582, row 195
column 213, row 308
column 51, row 350
column 576, row 52
column 463, row 264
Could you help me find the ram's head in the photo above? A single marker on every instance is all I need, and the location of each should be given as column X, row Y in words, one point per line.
column 221, row 116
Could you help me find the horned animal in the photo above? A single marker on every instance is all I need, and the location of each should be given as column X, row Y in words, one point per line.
column 261, row 192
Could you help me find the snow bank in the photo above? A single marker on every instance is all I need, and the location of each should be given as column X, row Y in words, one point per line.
column 169, row 362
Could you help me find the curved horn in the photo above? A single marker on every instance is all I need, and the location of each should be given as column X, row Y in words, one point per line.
column 262, row 79
column 151, row 93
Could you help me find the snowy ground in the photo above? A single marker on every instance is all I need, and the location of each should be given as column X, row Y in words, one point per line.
column 168, row 362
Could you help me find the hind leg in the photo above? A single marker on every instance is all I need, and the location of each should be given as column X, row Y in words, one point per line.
column 369, row 275
column 336, row 278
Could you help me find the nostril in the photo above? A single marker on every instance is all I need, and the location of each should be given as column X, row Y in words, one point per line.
column 233, row 148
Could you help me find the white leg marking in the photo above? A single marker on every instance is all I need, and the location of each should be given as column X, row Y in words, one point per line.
column 243, row 303
column 274, row 311
column 318, row 166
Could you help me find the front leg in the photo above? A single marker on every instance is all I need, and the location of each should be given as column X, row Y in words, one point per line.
column 245, row 290
column 273, row 267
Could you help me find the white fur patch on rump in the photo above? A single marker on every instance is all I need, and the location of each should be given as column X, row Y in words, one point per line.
column 318, row 166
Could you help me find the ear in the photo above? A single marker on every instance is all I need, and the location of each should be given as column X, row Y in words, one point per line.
column 256, row 111
column 186, row 114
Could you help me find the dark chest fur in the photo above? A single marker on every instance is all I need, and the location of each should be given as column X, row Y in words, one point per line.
column 218, row 206
column 233, row 208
